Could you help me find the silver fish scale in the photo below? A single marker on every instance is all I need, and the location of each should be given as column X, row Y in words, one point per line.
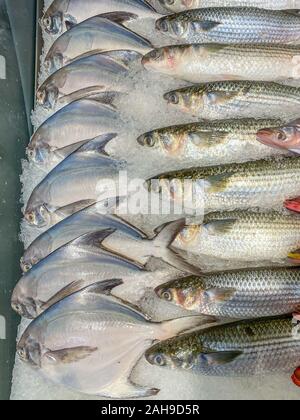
column 250, row 100
column 257, row 293
column 267, row 347
column 233, row 25
column 267, row 4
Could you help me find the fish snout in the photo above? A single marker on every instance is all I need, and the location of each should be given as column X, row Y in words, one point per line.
column 293, row 204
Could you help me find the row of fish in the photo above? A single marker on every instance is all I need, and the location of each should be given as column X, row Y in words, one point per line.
column 235, row 163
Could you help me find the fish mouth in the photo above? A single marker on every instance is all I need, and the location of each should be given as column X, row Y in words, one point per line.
column 293, row 204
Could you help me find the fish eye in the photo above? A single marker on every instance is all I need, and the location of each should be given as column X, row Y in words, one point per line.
column 159, row 360
column 170, row 2
column 167, row 295
column 30, row 217
column 30, row 153
column 162, row 25
column 26, row 267
column 173, row 99
column 155, row 54
column 281, row 136
column 149, row 141
column 17, row 307
column 22, row 353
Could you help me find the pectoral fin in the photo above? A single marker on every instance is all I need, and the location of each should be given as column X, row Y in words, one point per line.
column 220, row 226
column 208, row 139
column 67, row 211
column 128, row 390
column 217, row 183
column 221, row 98
column 119, row 17
column 219, row 295
column 207, row 25
column 71, row 355
column 102, row 288
column 220, row 358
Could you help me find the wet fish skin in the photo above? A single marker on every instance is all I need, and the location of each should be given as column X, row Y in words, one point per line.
column 199, row 63
column 207, row 143
column 237, row 294
column 231, row 25
column 237, row 99
column 241, row 237
column 64, row 14
column 181, row 5
column 69, row 128
column 285, row 137
column 100, row 75
column 92, row 219
column 74, row 184
column 263, row 184
column 76, row 342
column 76, row 265
column 97, row 34
column 245, row 348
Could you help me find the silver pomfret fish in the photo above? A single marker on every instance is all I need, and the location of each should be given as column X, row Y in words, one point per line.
column 231, row 25
column 74, row 184
column 97, row 34
column 64, row 14
column 92, row 219
column 69, row 128
column 237, row 294
column 90, row 342
column 245, row 348
column 199, row 63
column 237, row 99
column 100, row 75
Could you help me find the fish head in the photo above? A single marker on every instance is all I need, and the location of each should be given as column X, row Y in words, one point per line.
column 182, row 293
column 54, row 61
column 47, row 95
column 38, row 216
column 172, row 26
column 286, row 137
column 38, row 154
column 23, row 300
column 184, row 99
column 169, row 354
column 29, row 348
column 165, row 140
column 53, row 20
column 162, row 60
column 179, row 5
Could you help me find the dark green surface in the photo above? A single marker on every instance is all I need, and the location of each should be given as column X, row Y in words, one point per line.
column 14, row 129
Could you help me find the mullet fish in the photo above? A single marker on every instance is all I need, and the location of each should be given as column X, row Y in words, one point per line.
column 215, row 62
column 208, row 143
column 263, row 184
column 237, row 294
column 232, row 25
column 91, row 342
column 245, row 237
column 237, row 99
column 245, row 348
column 180, row 5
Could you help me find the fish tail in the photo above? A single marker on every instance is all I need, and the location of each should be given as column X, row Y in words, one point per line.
column 174, row 327
column 160, row 247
